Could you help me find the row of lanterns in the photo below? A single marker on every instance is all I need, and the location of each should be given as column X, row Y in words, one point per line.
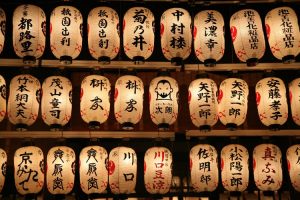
column 29, row 31
column 97, row 169
column 207, row 104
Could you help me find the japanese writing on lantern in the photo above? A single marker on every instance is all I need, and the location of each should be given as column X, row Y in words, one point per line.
column 56, row 92
column 287, row 28
column 161, row 161
column 177, row 31
column 102, row 24
column 22, row 96
column 297, row 152
column 252, row 28
column 237, row 98
column 96, row 101
column 164, row 93
column 269, row 170
column 91, row 171
column 206, row 98
column 206, row 157
column 274, row 96
column 210, row 32
column 236, row 166
column 25, row 27
column 66, row 22
column 135, row 86
column 140, row 23
column 130, row 157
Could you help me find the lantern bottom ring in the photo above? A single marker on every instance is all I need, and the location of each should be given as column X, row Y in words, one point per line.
column 104, row 60
column 65, row 60
column 274, row 127
column 21, row 127
column 231, row 126
column 251, row 62
column 29, row 60
column 176, row 61
column 55, row 127
column 163, row 127
column 138, row 60
column 205, row 128
column 288, row 59
column 94, row 125
column 128, row 126
column 210, row 62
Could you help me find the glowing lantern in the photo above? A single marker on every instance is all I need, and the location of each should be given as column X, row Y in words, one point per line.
column 24, row 101
column 235, row 167
column 56, row 101
column 29, row 170
column 2, row 29
column 163, row 98
column 283, row 33
column 267, row 167
column 129, row 97
column 294, row 91
column 138, row 33
column 293, row 159
column 122, row 170
column 60, row 170
column 29, row 32
column 103, row 34
column 2, row 98
column 66, row 33
column 271, row 102
column 94, row 101
column 247, row 36
column 92, row 169
column 3, row 165
column 203, row 103
column 209, row 40
column 233, row 102
column 176, row 34
column 158, row 164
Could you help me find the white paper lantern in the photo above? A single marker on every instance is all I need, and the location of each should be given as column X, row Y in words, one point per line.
column 122, row 170
column 204, row 168
column 3, row 166
column 2, row 29
column 29, row 170
column 56, row 101
column 176, row 34
column 163, row 99
column 283, row 33
column 294, row 92
column 29, row 32
column 24, row 101
column 2, row 98
column 66, row 33
column 92, row 169
column 233, row 102
column 94, row 100
column 138, row 33
column 60, row 170
column 271, row 102
column 267, row 167
column 103, row 34
column 203, row 104
column 158, row 170
column 247, row 36
column 128, row 100
column 293, row 162
column 209, row 40
column 235, row 167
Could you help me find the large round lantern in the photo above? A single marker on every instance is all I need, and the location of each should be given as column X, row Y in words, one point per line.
column 29, row 32
column 24, row 101
column 60, row 175
column 293, row 163
column 122, row 170
column 29, row 170
column 294, row 91
column 233, row 102
column 3, row 165
column 203, row 104
column 176, row 34
column 163, row 99
column 94, row 100
column 128, row 100
column 158, row 170
column 283, row 33
column 138, row 33
column 92, row 169
column 271, row 102
column 204, row 168
column 247, row 36
column 66, row 33
column 267, row 167
column 103, row 34
column 209, row 40
column 235, row 167
column 2, row 98
column 56, row 101
column 2, row 29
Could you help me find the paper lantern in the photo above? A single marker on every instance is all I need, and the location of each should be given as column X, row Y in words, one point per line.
column 24, row 101
column 203, row 103
column 176, row 34
column 128, row 100
column 158, row 170
column 138, row 33
column 294, row 91
column 122, row 170
column 3, row 166
column 60, row 170
column 103, row 34
column 293, row 163
column 283, row 33
column 92, row 169
column 271, row 102
column 163, row 99
column 204, row 168
column 94, row 100
column 209, row 40
column 235, row 167
column 29, row 32
column 267, row 167
column 66, row 33
column 233, row 102
column 56, row 101
column 2, row 98
column 29, row 170
column 2, row 29
column 247, row 36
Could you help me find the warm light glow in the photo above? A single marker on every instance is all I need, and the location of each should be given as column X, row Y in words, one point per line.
column 294, row 92
column 2, row 98
column 2, row 29
column 293, row 159
column 3, row 167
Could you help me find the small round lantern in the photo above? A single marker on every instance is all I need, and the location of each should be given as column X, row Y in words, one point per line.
column 2, row 29
column 3, row 166
column 294, row 92
column 2, row 98
column 293, row 164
